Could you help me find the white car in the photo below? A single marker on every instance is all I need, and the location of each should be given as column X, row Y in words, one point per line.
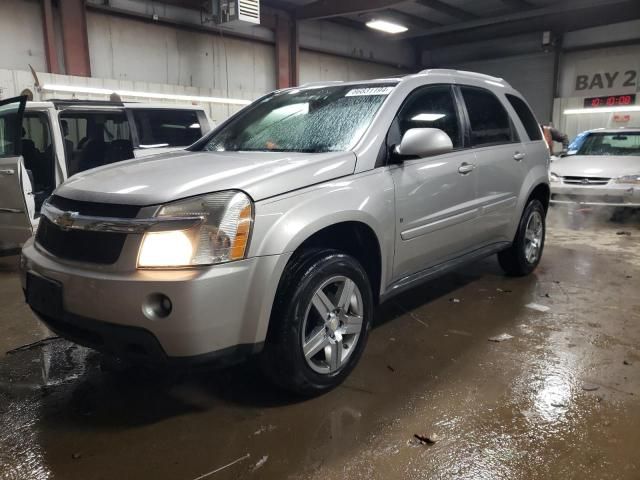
column 60, row 138
column 604, row 171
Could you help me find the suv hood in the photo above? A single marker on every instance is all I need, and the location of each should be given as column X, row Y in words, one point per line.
column 172, row 176
column 609, row 166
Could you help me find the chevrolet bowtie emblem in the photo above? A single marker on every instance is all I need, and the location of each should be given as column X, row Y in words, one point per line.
column 66, row 220
column 585, row 181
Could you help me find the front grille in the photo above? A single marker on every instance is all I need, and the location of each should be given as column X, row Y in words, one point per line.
column 585, row 180
column 80, row 245
column 94, row 209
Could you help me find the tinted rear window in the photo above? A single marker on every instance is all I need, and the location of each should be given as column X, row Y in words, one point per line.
column 95, row 138
column 526, row 117
column 489, row 121
column 167, row 128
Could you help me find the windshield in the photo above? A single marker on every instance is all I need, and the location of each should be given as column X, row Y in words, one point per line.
column 310, row 120
column 623, row 143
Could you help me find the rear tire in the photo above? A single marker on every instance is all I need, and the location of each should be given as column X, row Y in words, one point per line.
column 526, row 251
column 319, row 323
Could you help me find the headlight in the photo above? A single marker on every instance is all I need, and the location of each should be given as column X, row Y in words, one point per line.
column 629, row 179
column 553, row 177
column 223, row 235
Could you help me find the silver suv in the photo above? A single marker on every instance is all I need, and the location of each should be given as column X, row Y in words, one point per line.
column 281, row 231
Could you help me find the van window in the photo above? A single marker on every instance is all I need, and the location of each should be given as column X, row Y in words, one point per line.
column 489, row 121
column 38, row 154
column 526, row 117
column 9, row 144
column 166, row 128
column 93, row 139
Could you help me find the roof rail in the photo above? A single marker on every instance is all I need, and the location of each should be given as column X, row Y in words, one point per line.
column 62, row 103
column 317, row 84
column 463, row 73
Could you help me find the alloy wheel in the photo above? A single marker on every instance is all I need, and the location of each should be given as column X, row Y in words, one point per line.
column 332, row 325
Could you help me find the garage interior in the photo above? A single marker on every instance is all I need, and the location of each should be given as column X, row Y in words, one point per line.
column 556, row 396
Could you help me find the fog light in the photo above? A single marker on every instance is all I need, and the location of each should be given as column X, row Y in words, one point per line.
column 157, row 306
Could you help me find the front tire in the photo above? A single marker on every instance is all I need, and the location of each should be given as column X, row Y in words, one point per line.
column 320, row 322
column 526, row 251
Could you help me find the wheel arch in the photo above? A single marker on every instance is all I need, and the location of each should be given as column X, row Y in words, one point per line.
column 353, row 237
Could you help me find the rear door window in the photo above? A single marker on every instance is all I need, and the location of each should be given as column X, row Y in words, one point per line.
column 489, row 121
column 95, row 138
column 526, row 117
column 166, row 127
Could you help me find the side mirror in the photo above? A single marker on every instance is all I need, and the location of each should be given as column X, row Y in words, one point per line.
column 423, row 142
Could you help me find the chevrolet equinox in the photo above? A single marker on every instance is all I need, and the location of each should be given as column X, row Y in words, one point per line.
column 280, row 231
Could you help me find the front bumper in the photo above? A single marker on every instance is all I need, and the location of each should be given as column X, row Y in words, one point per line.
column 216, row 310
column 610, row 195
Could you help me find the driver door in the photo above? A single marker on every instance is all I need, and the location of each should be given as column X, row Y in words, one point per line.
column 16, row 207
column 436, row 197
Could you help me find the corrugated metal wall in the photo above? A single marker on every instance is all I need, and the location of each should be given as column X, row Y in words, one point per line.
column 319, row 67
column 125, row 49
column 133, row 55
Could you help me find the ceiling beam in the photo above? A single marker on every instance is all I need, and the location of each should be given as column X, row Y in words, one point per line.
column 447, row 9
column 338, row 8
column 573, row 7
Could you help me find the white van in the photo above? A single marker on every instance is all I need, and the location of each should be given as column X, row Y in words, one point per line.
column 60, row 138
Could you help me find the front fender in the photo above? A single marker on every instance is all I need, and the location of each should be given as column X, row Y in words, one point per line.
column 282, row 224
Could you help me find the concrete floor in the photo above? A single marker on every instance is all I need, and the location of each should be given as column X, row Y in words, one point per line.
column 561, row 399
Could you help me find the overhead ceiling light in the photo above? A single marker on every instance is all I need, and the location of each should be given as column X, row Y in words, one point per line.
column 131, row 93
column 387, row 27
column 583, row 111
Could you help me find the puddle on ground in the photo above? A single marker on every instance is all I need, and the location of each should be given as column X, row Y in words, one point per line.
column 516, row 409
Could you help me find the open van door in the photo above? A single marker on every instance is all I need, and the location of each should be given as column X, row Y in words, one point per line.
column 16, row 206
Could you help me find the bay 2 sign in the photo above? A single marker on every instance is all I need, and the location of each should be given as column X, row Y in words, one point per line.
column 615, row 80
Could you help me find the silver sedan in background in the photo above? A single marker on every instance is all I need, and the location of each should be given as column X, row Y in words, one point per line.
column 605, row 170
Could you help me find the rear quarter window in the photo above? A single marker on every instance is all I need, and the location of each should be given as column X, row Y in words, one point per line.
column 526, row 117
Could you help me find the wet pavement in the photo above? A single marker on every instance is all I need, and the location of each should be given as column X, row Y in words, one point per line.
column 561, row 399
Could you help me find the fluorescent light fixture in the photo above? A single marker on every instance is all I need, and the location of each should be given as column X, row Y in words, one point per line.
column 583, row 111
column 131, row 93
column 387, row 27
column 428, row 117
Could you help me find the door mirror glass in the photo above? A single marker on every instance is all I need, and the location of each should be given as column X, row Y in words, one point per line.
column 424, row 142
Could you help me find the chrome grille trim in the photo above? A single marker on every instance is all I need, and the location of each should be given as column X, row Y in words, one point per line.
column 586, row 181
column 67, row 220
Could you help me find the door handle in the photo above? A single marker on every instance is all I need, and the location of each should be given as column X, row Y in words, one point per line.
column 466, row 168
column 7, row 171
column 519, row 156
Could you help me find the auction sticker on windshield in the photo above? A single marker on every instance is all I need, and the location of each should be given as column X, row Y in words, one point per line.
column 361, row 92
